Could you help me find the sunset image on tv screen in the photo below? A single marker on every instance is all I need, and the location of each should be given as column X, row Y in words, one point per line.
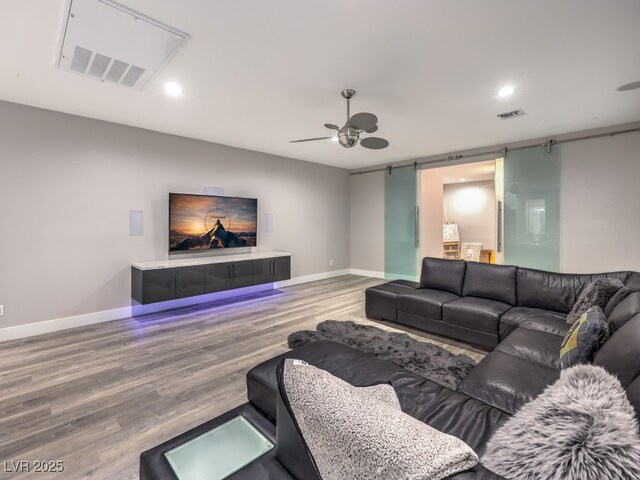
column 201, row 222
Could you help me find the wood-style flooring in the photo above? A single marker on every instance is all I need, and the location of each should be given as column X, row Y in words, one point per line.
column 95, row 397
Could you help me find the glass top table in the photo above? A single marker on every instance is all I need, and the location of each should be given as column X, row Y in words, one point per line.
column 220, row 452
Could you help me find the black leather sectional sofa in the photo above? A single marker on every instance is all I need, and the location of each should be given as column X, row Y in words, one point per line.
column 523, row 363
column 480, row 303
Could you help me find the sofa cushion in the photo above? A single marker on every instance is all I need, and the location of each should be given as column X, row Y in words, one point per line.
column 620, row 295
column 455, row 413
column 584, row 338
column 349, row 364
column 596, row 294
column 469, row 335
column 474, row 313
column 425, row 302
column 380, row 301
column 555, row 291
column 495, row 282
column 633, row 394
column 534, row 346
column 620, row 354
column 624, row 311
column 507, row 382
column 533, row 319
column 633, row 281
column 441, row 274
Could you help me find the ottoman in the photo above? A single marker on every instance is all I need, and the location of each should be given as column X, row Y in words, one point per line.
column 380, row 301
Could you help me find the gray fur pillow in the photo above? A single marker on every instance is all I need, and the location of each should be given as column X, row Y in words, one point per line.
column 352, row 434
column 596, row 294
column 581, row 427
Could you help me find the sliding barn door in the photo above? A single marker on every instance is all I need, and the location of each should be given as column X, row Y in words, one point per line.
column 532, row 208
column 400, row 224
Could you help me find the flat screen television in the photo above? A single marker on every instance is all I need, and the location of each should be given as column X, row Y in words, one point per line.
column 207, row 222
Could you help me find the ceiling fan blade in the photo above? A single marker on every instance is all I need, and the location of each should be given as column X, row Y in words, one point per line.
column 332, row 126
column 363, row 121
column 374, row 143
column 372, row 130
column 309, row 139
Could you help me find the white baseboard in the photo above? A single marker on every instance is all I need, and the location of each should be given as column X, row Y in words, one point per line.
column 312, row 278
column 48, row 326
column 54, row 325
column 367, row 273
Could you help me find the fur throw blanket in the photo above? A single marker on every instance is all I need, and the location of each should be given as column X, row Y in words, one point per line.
column 424, row 358
column 580, row 428
column 360, row 433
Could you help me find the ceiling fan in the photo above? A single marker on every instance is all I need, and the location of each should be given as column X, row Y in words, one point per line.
column 349, row 133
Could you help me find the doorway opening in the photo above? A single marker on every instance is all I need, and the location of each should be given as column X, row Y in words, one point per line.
column 459, row 212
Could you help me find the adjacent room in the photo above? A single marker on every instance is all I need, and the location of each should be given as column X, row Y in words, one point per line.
column 284, row 240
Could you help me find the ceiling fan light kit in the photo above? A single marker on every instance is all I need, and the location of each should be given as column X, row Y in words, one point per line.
column 349, row 134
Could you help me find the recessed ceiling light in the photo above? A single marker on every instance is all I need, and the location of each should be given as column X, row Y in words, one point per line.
column 173, row 89
column 506, row 91
column 462, row 179
column 334, row 139
column 628, row 86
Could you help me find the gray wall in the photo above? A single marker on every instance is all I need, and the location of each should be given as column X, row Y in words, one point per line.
column 67, row 184
column 367, row 222
column 431, row 212
column 599, row 205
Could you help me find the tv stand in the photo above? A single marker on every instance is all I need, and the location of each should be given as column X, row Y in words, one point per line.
column 160, row 281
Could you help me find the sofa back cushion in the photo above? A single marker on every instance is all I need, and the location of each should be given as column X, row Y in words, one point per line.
column 624, row 311
column 495, row 282
column 555, row 291
column 443, row 274
column 633, row 281
column 620, row 295
column 620, row 355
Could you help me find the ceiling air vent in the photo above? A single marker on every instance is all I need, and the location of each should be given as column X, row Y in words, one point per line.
column 511, row 114
column 112, row 43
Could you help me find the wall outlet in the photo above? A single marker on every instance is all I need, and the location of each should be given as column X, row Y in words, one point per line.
column 1, row 310
column 331, row 263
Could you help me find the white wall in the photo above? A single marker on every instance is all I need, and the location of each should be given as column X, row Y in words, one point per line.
column 431, row 212
column 600, row 204
column 472, row 206
column 367, row 222
column 67, row 184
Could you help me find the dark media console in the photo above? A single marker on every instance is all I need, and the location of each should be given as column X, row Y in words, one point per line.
column 153, row 282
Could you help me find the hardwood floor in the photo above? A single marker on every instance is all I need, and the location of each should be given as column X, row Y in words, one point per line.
column 95, row 397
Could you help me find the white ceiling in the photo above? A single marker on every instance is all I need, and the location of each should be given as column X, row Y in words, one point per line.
column 469, row 172
column 258, row 73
